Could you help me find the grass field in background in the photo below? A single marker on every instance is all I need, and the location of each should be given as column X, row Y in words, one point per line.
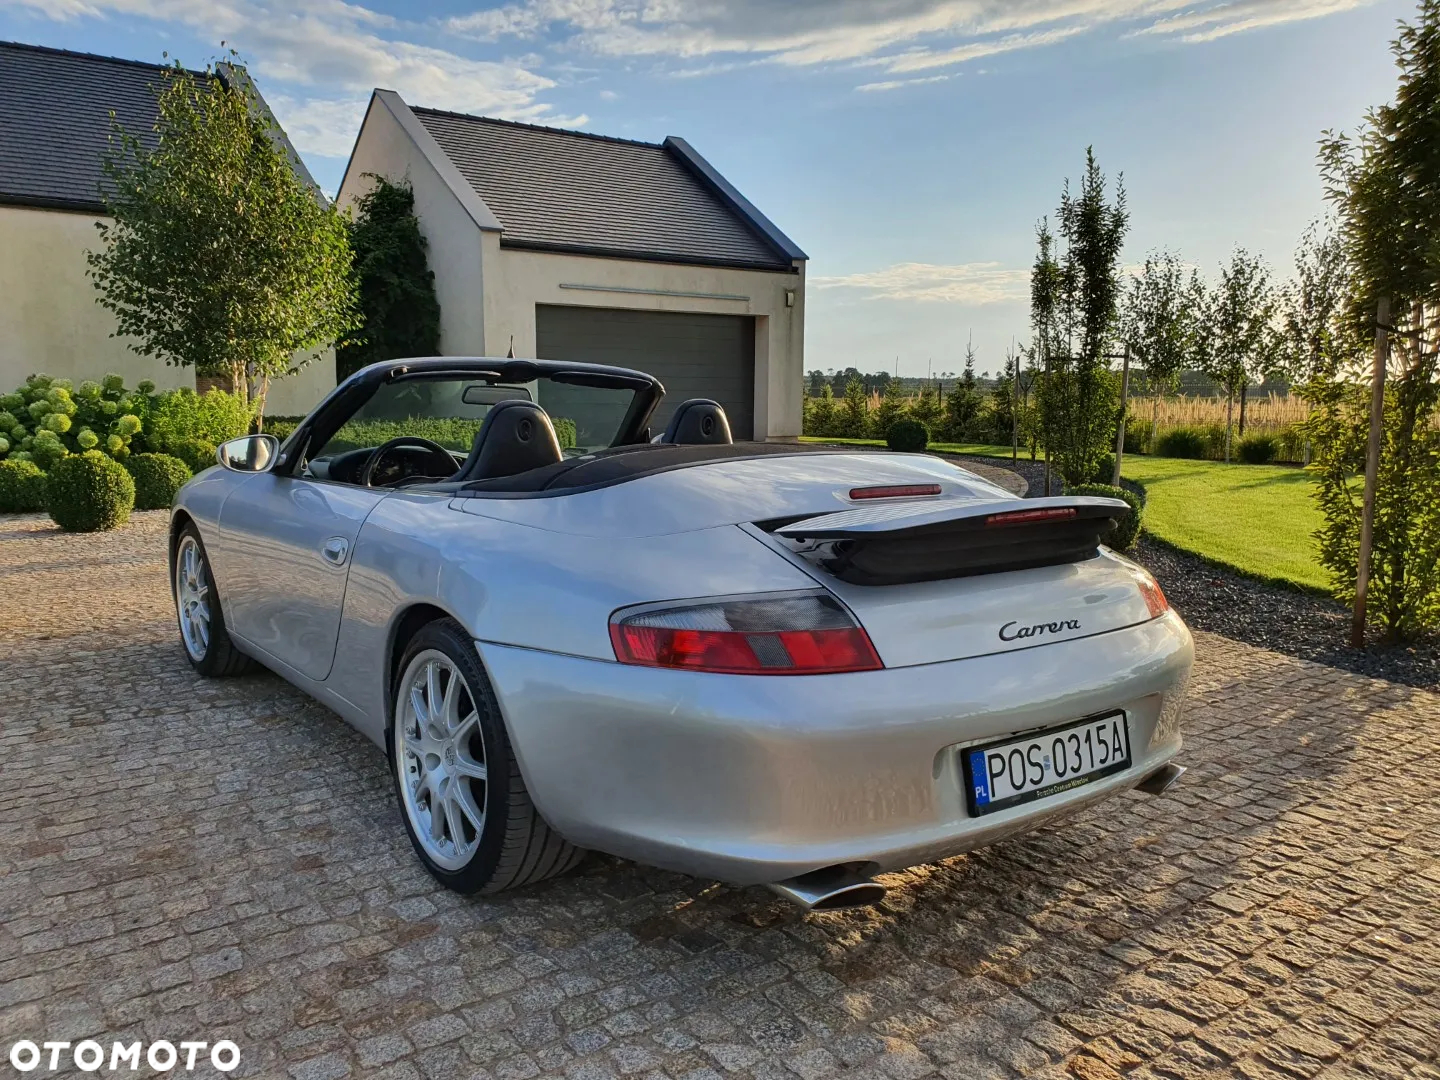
column 1258, row 519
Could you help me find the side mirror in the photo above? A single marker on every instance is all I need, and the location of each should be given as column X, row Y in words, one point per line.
column 249, row 453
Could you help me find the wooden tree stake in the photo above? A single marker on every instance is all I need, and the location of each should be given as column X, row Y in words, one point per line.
column 1372, row 471
column 1124, row 409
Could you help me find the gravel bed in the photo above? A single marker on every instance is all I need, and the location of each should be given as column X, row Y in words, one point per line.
column 1032, row 472
column 1298, row 624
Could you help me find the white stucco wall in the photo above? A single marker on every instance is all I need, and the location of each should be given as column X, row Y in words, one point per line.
column 385, row 148
column 51, row 320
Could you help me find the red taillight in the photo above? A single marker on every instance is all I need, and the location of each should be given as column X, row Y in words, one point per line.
column 807, row 634
column 895, row 491
column 1025, row 517
column 1154, row 596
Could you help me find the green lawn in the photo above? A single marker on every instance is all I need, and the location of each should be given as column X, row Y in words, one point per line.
column 1259, row 519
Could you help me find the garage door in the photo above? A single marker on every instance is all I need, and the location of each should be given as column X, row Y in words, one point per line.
column 710, row 356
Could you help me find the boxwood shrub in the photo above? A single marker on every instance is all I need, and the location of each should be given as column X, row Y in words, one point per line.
column 1128, row 527
column 907, row 435
column 22, row 487
column 88, row 492
column 157, row 478
column 198, row 454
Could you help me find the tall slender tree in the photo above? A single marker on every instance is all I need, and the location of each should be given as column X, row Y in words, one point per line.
column 1384, row 183
column 963, row 403
column 1075, row 297
column 1313, row 305
column 1156, row 325
column 1241, row 342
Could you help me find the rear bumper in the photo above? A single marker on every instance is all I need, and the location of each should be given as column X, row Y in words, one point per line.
column 751, row 779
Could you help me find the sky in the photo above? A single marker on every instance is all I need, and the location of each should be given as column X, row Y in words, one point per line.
column 908, row 146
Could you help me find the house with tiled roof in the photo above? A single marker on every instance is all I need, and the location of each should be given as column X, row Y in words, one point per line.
column 55, row 124
column 571, row 246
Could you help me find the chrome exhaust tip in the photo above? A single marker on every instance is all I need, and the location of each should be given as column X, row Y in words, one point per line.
column 1162, row 780
column 833, row 888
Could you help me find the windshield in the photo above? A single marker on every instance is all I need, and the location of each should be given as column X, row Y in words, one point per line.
column 450, row 410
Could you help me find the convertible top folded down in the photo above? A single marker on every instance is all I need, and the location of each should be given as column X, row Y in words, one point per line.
column 616, row 465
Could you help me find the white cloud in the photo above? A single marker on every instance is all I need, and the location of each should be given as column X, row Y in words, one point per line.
column 1239, row 16
column 345, row 48
column 924, row 59
column 974, row 284
column 322, row 126
column 898, row 35
column 898, row 84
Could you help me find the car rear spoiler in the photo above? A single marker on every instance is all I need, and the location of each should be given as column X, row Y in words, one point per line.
column 925, row 540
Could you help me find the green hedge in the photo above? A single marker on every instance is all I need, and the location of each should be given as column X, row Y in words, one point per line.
column 452, row 433
column 1128, row 527
column 157, row 478
column 22, row 487
column 177, row 416
column 282, row 426
column 89, row 492
column 198, row 454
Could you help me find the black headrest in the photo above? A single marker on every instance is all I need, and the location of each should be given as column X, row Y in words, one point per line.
column 517, row 436
column 698, row 422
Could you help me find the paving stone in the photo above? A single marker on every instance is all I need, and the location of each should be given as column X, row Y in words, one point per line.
column 183, row 858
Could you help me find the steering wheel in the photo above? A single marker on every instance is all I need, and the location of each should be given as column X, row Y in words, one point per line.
column 376, row 455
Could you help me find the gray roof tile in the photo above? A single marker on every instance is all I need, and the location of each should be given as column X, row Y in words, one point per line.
column 55, row 110
column 570, row 191
column 55, row 121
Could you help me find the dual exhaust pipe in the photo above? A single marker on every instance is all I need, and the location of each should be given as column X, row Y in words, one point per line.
column 835, row 888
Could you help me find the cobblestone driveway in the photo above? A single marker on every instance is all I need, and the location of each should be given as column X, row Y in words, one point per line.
column 185, row 859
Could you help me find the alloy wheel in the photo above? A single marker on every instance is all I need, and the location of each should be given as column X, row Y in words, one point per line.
column 440, row 758
column 192, row 598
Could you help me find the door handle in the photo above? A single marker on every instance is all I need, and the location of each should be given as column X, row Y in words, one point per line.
column 335, row 550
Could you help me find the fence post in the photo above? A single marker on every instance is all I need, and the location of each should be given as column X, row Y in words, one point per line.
column 1372, row 470
column 1124, row 411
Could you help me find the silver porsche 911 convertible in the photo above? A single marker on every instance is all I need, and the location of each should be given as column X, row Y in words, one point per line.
column 758, row 663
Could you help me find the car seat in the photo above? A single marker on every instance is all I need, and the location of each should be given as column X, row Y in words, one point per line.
column 698, row 422
column 516, row 436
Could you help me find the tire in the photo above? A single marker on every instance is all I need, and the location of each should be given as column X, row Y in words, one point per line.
column 198, row 611
column 456, row 759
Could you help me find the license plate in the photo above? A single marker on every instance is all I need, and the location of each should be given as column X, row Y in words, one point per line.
column 1045, row 763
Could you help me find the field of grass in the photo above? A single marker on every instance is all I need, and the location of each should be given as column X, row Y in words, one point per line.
column 1258, row 519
